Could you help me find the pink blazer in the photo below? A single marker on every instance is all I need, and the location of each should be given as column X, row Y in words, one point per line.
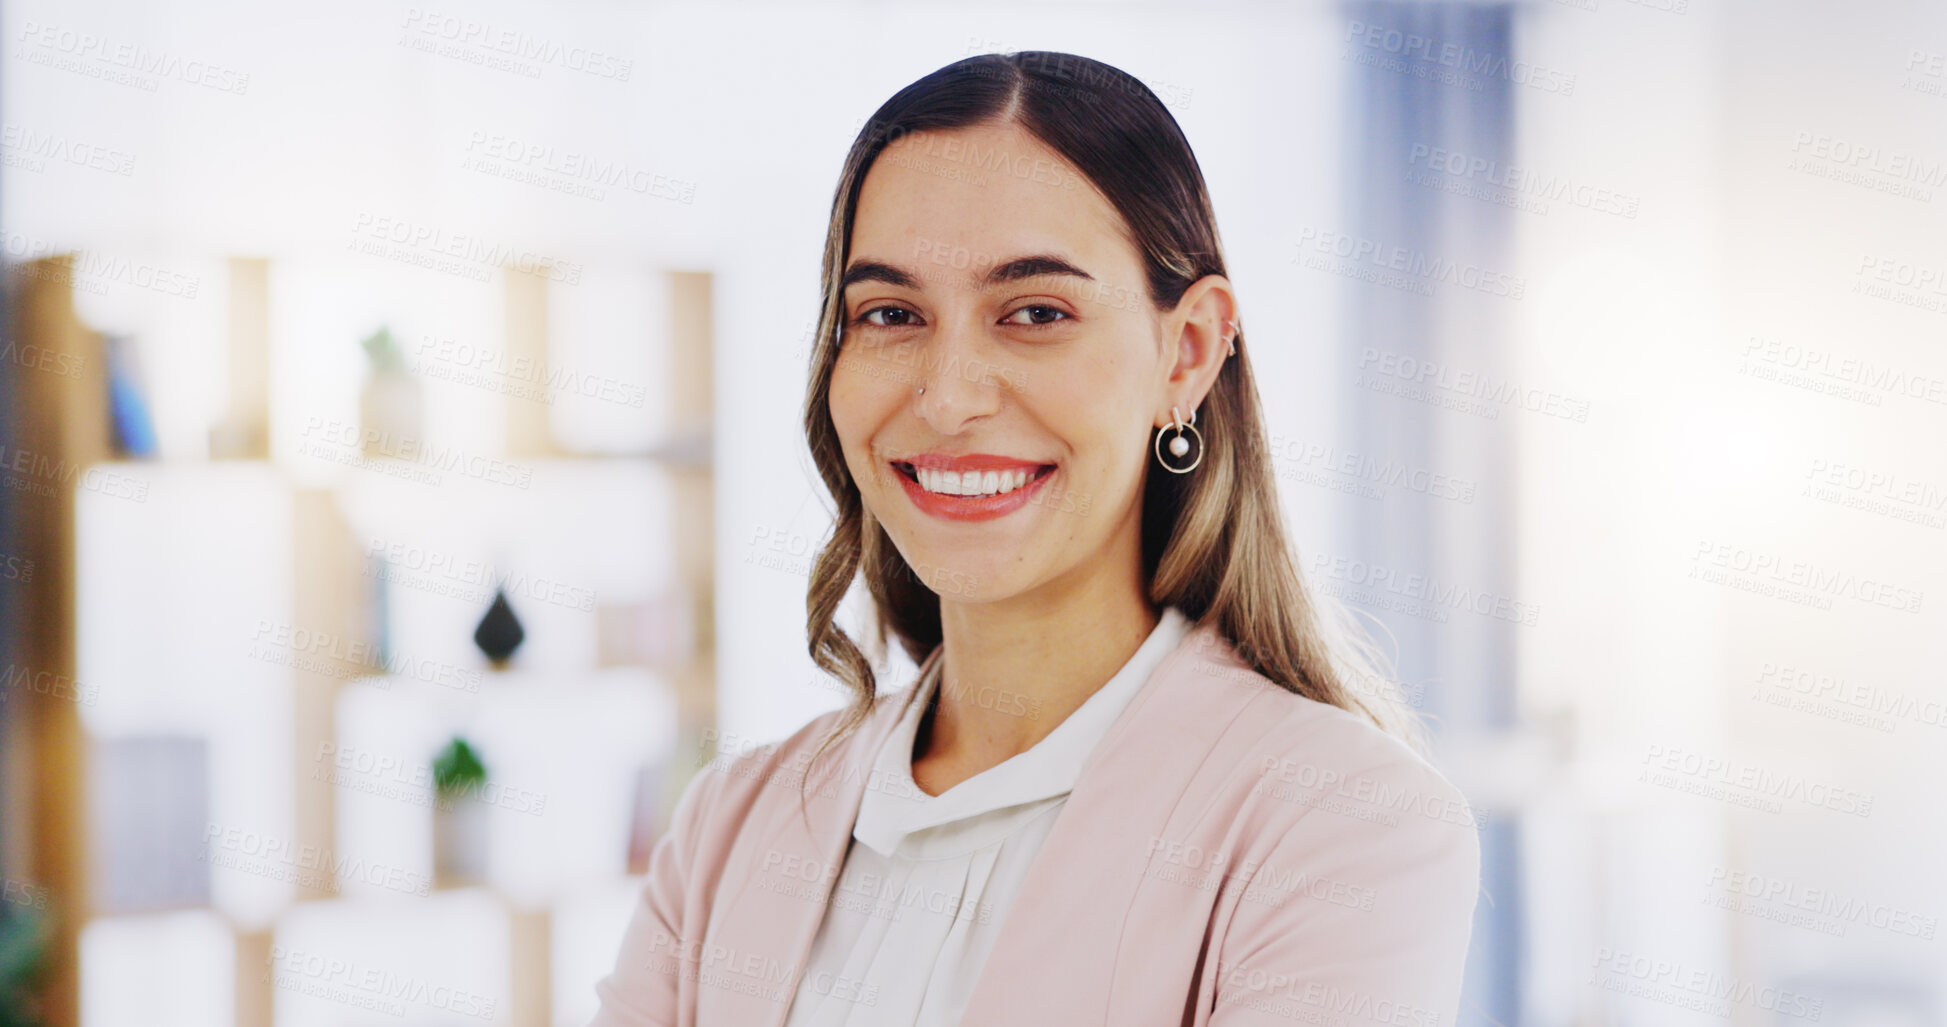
column 1232, row 854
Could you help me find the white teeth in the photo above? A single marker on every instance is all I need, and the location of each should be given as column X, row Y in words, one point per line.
column 970, row 483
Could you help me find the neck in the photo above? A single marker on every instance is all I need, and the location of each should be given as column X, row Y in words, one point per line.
column 1013, row 670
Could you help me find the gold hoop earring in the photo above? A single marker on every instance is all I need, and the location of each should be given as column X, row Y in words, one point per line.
column 1179, row 445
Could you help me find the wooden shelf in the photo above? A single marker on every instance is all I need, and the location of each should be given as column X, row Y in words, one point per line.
column 200, row 609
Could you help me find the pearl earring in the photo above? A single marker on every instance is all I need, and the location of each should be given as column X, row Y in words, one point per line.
column 1180, row 446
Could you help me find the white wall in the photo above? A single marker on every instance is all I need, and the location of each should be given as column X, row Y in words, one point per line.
column 753, row 104
column 1697, row 113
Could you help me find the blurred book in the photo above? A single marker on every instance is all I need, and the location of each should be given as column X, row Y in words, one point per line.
column 128, row 405
column 148, row 807
column 645, row 825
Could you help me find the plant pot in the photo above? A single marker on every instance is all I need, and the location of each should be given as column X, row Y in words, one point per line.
column 390, row 414
column 461, row 831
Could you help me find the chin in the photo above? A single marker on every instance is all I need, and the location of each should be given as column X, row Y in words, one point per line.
column 965, row 577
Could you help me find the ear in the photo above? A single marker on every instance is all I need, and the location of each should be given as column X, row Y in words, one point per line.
column 1197, row 343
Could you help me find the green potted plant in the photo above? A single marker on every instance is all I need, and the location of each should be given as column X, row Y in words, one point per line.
column 460, row 824
column 24, row 930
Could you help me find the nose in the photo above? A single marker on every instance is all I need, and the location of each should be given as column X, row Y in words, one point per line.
column 960, row 383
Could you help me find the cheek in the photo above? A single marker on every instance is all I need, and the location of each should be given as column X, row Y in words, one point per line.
column 1111, row 440
column 859, row 402
column 1101, row 417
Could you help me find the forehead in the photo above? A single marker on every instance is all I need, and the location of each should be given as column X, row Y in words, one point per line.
column 979, row 195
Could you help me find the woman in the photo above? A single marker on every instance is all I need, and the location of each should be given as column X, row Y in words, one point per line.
column 1130, row 785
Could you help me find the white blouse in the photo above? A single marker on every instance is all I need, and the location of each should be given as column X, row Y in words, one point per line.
column 927, row 879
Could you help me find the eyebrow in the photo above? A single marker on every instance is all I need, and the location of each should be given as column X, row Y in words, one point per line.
column 1035, row 266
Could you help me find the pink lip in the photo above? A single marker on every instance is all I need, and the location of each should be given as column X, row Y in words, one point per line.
column 971, row 508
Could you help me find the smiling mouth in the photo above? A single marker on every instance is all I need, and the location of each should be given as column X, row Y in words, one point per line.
column 972, row 483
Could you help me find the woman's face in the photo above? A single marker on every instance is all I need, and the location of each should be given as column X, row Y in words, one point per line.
column 986, row 269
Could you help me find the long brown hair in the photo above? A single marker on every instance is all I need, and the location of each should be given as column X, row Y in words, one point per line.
column 1213, row 541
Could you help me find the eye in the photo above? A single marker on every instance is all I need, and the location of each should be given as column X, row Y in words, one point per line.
column 1039, row 314
column 897, row 317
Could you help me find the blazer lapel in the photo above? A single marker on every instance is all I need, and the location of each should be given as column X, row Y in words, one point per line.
column 1056, row 959
column 779, row 882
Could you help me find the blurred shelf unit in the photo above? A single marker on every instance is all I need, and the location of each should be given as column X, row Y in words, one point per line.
column 246, row 809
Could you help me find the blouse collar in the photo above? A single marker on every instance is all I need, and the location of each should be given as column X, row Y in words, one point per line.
column 894, row 806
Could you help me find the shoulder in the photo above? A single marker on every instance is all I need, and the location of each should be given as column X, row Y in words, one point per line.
column 1297, row 760
column 1340, row 800
column 747, row 774
column 1323, row 759
column 1361, row 864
